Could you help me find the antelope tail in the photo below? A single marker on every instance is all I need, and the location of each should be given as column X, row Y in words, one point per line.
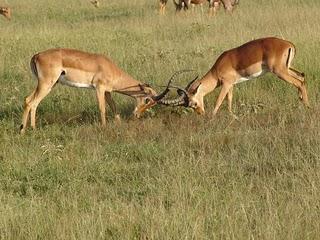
column 298, row 74
column 33, row 66
column 290, row 57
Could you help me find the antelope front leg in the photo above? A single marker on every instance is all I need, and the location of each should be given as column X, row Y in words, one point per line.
column 102, row 105
column 224, row 91
column 112, row 106
column 230, row 96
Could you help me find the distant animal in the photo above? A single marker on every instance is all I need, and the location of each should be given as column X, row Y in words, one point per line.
column 162, row 4
column 85, row 70
column 95, row 3
column 184, row 4
column 228, row 5
column 240, row 64
column 213, row 4
column 6, row 12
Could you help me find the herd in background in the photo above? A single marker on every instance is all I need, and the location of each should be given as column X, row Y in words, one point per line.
column 81, row 69
column 214, row 5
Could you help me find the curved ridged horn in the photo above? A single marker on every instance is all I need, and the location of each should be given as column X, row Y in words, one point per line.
column 183, row 100
column 167, row 89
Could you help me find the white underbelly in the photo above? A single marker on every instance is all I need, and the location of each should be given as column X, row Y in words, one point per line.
column 64, row 81
column 77, row 78
column 247, row 78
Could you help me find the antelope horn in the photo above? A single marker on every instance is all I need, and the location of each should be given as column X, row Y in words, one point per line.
column 183, row 100
column 167, row 89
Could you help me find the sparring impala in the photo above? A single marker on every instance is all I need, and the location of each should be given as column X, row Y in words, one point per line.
column 85, row 70
column 6, row 12
column 241, row 64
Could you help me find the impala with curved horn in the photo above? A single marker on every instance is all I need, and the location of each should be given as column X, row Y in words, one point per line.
column 240, row 64
column 6, row 12
column 85, row 70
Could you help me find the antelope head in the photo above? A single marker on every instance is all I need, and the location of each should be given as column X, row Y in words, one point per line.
column 146, row 99
column 6, row 12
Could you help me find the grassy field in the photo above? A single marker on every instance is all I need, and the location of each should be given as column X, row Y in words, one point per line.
column 172, row 174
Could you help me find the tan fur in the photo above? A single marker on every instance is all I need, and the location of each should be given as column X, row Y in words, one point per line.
column 82, row 69
column 6, row 12
column 228, row 5
column 162, row 4
column 184, row 4
column 95, row 3
column 248, row 60
column 214, row 5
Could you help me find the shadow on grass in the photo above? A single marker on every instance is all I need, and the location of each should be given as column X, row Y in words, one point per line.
column 45, row 117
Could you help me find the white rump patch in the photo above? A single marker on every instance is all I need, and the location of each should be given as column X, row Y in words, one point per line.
column 247, row 78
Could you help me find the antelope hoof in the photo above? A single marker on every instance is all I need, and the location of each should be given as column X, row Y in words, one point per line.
column 22, row 130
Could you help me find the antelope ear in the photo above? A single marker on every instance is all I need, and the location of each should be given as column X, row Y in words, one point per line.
column 190, row 83
column 146, row 89
column 194, row 89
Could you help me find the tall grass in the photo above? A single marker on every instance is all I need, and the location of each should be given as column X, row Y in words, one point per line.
column 172, row 174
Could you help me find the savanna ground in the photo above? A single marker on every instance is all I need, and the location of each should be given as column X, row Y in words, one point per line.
column 171, row 174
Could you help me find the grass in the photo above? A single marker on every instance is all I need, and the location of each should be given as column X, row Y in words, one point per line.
column 172, row 174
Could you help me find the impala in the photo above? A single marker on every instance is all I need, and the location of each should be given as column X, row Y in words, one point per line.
column 95, row 3
column 240, row 64
column 213, row 4
column 184, row 4
column 6, row 12
column 163, row 4
column 85, row 70
column 228, row 5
